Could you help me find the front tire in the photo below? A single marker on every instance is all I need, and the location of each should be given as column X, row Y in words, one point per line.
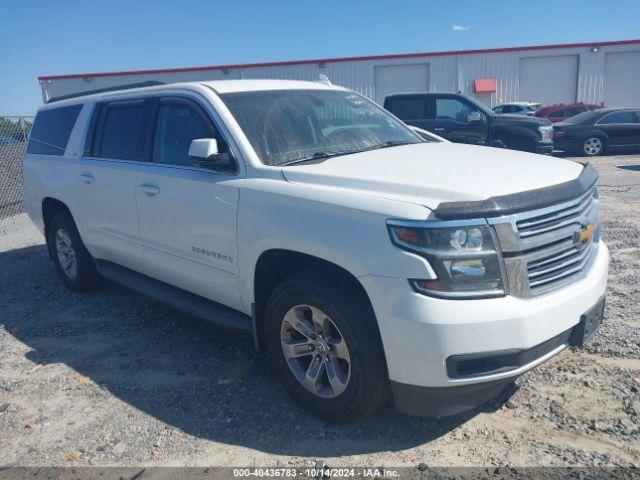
column 593, row 146
column 73, row 262
column 324, row 346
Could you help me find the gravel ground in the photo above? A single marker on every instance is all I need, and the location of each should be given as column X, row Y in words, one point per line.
column 112, row 378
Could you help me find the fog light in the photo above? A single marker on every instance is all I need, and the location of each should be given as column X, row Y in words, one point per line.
column 467, row 268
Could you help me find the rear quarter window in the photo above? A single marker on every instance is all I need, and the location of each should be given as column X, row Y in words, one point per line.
column 51, row 130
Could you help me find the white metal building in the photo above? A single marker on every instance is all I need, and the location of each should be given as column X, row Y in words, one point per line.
column 604, row 72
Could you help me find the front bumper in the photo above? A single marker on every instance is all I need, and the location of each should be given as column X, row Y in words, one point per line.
column 442, row 401
column 420, row 333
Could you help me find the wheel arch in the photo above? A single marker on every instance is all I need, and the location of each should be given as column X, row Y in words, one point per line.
column 275, row 265
column 595, row 133
column 50, row 207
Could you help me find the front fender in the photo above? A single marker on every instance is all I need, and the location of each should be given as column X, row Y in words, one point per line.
column 515, row 131
column 348, row 232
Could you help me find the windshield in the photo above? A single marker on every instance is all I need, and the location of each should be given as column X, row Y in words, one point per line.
column 292, row 126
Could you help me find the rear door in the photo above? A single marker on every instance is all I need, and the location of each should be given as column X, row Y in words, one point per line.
column 621, row 127
column 188, row 213
column 411, row 109
column 107, row 205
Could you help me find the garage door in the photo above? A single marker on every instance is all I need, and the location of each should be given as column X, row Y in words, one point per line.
column 401, row 79
column 549, row 80
column 622, row 79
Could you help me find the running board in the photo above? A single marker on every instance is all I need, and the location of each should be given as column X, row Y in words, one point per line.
column 188, row 302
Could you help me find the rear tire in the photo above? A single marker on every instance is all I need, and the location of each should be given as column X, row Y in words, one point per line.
column 336, row 369
column 70, row 257
column 593, row 146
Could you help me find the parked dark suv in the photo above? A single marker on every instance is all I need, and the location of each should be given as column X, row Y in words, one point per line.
column 463, row 119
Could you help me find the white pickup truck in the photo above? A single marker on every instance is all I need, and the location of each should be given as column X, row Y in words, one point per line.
column 369, row 263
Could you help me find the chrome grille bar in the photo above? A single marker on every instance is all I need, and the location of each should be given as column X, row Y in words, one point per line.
column 546, row 223
column 562, row 273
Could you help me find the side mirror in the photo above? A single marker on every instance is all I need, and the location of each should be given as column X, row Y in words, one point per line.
column 204, row 153
column 474, row 117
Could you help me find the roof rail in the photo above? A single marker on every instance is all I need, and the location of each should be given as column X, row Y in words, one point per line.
column 149, row 83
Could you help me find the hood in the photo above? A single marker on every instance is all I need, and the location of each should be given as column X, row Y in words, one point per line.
column 524, row 120
column 431, row 173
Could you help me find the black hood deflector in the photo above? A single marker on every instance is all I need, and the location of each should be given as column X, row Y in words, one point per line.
column 521, row 201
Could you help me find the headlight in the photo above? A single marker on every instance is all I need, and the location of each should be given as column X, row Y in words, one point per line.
column 464, row 257
column 546, row 133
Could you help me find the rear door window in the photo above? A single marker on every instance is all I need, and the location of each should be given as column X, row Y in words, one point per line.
column 409, row 108
column 51, row 130
column 121, row 130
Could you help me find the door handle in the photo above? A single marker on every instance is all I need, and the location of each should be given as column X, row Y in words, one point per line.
column 87, row 178
column 439, row 129
column 150, row 189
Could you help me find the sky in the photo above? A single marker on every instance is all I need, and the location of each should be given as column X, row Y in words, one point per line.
column 62, row 37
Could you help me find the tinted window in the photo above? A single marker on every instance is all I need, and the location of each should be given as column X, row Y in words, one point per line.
column 498, row 109
column 557, row 114
column 583, row 117
column 51, row 130
column 570, row 112
column 408, row 108
column 122, row 130
column 453, row 109
column 178, row 123
column 618, row 117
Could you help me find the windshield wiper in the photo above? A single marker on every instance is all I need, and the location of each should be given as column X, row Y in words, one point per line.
column 312, row 158
column 391, row 143
column 324, row 155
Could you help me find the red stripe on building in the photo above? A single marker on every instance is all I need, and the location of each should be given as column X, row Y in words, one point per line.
column 342, row 59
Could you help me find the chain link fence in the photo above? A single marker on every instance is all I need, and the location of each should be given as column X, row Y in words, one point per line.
column 14, row 132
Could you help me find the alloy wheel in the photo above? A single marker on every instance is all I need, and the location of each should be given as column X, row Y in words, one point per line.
column 592, row 146
column 315, row 351
column 66, row 254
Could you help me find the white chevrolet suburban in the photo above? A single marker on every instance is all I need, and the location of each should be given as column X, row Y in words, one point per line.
column 368, row 262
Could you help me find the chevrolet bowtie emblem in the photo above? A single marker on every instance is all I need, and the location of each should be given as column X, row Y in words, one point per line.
column 584, row 235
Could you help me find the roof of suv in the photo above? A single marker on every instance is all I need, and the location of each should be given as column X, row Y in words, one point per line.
column 219, row 86
column 232, row 86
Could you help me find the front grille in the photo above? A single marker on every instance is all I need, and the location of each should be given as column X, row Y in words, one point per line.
column 557, row 267
column 542, row 249
column 556, row 220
